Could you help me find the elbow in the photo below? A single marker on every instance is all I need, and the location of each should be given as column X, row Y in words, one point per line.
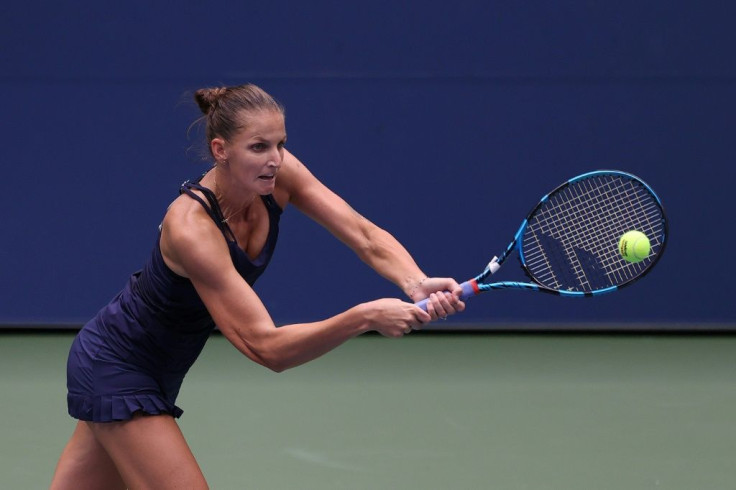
column 267, row 352
column 271, row 360
column 275, row 365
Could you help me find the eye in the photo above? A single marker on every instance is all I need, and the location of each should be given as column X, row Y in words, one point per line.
column 258, row 147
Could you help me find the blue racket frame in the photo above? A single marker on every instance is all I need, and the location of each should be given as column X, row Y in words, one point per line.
column 480, row 283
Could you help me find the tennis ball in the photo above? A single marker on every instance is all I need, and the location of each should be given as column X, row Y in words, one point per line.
column 634, row 246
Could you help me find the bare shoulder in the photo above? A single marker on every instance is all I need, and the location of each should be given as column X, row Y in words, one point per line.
column 309, row 195
column 191, row 244
column 294, row 178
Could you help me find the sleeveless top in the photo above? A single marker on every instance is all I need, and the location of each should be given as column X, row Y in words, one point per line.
column 133, row 355
column 174, row 297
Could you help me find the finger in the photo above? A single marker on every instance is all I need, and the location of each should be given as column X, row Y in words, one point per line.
column 456, row 289
column 460, row 305
column 442, row 305
column 453, row 286
column 447, row 301
column 422, row 316
column 431, row 310
column 457, row 304
column 413, row 325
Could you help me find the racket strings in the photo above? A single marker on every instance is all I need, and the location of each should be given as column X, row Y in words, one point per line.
column 571, row 241
column 608, row 224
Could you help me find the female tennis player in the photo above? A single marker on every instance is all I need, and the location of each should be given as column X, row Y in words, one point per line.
column 127, row 364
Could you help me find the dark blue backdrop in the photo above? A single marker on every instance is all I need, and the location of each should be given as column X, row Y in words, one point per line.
column 441, row 121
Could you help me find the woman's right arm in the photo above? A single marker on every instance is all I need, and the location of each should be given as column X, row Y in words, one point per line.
column 193, row 247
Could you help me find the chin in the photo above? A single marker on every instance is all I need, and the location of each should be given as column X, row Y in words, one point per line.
column 267, row 188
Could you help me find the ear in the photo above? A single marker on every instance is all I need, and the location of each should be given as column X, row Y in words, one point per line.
column 217, row 147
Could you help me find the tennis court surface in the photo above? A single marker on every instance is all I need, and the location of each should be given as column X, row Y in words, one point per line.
column 429, row 411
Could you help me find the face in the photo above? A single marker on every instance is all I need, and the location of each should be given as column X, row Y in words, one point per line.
column 255, row 154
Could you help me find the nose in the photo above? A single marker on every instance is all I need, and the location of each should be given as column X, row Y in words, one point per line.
column 275, row 158
column 273, row 165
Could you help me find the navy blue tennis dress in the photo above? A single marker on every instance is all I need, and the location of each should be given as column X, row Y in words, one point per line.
column 133, row 355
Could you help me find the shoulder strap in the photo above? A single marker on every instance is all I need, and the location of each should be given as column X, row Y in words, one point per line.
column 271, row 205
column 211, row 207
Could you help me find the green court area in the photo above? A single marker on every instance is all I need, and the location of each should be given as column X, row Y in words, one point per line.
column 429, row 411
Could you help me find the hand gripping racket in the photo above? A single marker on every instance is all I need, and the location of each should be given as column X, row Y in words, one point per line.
column 568, row 244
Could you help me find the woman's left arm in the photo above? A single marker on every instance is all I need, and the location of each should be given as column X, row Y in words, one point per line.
column 374, row 245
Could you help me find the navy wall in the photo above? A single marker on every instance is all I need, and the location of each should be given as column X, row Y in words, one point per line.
column 441, row 121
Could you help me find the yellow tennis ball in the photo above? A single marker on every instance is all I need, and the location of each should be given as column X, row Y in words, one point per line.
column 634, row 246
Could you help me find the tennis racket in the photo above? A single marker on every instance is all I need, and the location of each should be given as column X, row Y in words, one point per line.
column 568, row 244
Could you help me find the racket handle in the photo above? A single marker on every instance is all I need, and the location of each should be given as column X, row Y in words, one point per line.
column 470, row 289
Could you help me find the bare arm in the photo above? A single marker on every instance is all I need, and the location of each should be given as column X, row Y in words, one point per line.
column 193, row 247
column 374, row 245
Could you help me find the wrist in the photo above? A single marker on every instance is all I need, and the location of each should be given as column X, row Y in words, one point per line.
column 414, row 286
column 366, row 317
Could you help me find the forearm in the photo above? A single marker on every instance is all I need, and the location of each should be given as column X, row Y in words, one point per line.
column 390, row 259
column 291, row 345
column 384, row 254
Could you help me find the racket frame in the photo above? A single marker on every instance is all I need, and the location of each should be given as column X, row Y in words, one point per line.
column 479, row 285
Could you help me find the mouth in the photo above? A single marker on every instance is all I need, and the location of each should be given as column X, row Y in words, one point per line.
column 269, row 174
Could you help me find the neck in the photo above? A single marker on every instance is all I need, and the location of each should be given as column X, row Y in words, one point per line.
column 232, row 202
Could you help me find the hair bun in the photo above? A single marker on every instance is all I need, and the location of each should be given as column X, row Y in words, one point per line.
column 207, row 98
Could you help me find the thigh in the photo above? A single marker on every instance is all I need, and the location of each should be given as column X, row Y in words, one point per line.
column 150, row 451
column 84, row 463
